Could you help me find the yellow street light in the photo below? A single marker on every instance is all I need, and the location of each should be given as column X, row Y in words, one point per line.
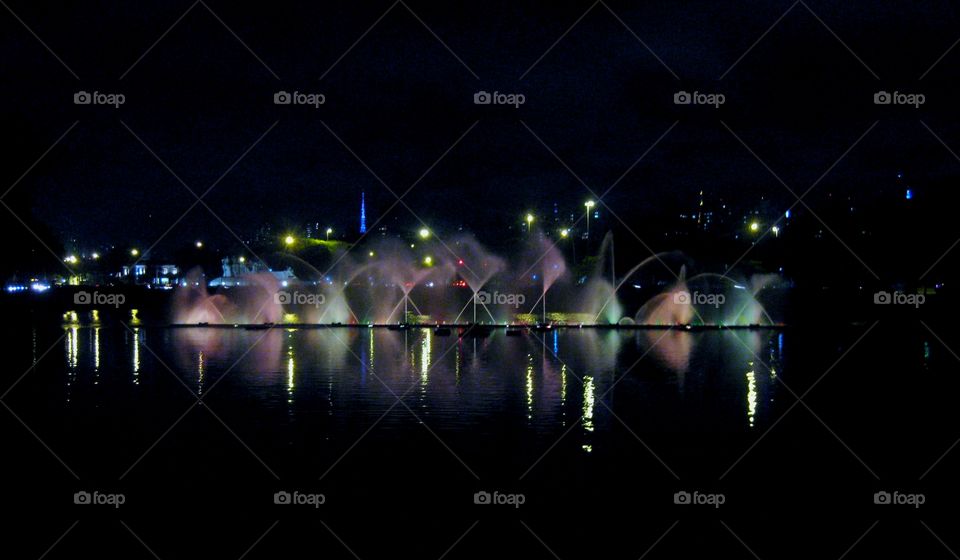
column 424, row 233
column 134, row 252
column 428, row 260
column 564, row 233
column 289, row 240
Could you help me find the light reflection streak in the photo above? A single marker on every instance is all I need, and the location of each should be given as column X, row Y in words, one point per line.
column 529, row 387
column 200, row 373
column 96, row 355
column 136, row 355
column 751, row 395
column 589, row 400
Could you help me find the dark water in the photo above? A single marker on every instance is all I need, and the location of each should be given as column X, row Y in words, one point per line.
column 593, row 428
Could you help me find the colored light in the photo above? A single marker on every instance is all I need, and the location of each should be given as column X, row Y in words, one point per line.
column 564, row 233
column 754, row 226
column 428, row 260
column 289, row 240
column 424, row 233
column 134, row 252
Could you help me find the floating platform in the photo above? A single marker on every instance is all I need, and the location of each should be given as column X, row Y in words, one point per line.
column 469, row 329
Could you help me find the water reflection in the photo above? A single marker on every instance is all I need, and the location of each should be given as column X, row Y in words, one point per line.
column 751, row 395
column 725, row 380
column 291, row 373
column 136, row 355
column 199, row 373
column 589, row 398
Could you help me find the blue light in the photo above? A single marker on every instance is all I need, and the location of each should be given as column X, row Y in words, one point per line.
column 786, row 214
column 363, row 213
column 909, row 194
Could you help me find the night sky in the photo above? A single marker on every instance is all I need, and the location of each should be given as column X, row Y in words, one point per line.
column 400, row 99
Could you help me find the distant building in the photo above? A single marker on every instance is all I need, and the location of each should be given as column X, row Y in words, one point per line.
column 146, row 273
column 238, row 273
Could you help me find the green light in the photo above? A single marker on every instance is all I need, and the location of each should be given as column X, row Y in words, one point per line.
column 564, row 233
column 754, row 226
column 289, row 240
column 428, row 260
column 424, row 233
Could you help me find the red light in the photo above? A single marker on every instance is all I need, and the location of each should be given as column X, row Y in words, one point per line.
column 460, row 262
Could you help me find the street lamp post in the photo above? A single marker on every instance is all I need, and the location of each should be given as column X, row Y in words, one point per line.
column 329, row 231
